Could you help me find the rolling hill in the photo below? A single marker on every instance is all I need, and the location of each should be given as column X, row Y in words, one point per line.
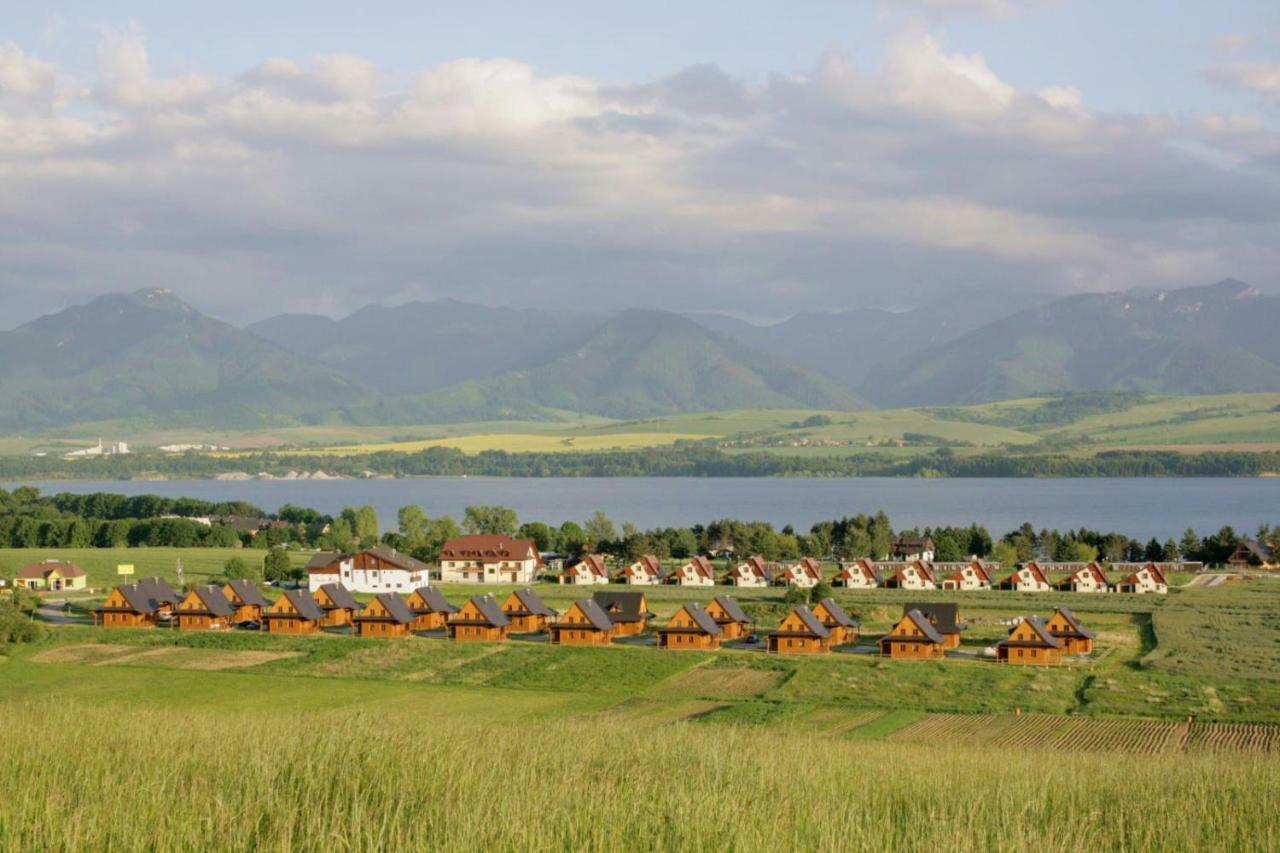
column 149, row 355
column 1201, row 340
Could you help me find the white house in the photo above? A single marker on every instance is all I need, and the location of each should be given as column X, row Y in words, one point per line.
column 917, row 574
column 972, row 575
column 860, row 574
column 805, row 574
column 1029, row 577
column 751, row 572
column 696, row 572
column 373, row 570
column 484, row 558
column 646, row 571
column 1089, row 578
column 1147, row 579
column 911, row 548
column 591, row 569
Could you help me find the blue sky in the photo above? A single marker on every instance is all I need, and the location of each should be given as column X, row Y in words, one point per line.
column 753, row 157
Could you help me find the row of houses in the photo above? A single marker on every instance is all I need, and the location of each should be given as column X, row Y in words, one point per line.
column 924, row 632
column 1032, row 576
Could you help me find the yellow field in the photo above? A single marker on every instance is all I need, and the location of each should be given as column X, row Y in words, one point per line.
column 517, row 443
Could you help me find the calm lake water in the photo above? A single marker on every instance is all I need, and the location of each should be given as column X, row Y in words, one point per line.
column 1138, row 507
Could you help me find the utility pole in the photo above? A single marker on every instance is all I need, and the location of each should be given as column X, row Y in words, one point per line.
column 182, row 583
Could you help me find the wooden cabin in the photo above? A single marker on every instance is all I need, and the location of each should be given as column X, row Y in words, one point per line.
column 690, row 628
column 294, row 612
column 1066, row 627
column 913, row 638
column 205, row 608
column 844, row 628
column 628, row 611
column 1029, row 577
column 974, row 575
column 734, row 622
column 527, row 612
column 646, row 571
column 431, row 610
column 696, row 572
column 944, row 617
column 1030, row 644
column 339, row 605
column 247, row 599
column 128, row 606
column 1088, row 578
column 166, row 596
column 860, row 574
column 917, row 575
column 479, row 620
column 1251, row 553
column 800, row 633
column 584, row 624
column 591, row 569
column 388, row 615
column 1148, row 579
column 752, row 572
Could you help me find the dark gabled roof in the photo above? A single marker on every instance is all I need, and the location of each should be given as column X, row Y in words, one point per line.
column 159, row 589
column 214, row 601
column 395, row 558
column 1074, row 622
column 533, row 603
column 944, row 616
column 247, row 591
column 324, row 559
column 733, row 609
column 595, row 615
column 811, row 622
column 341, row 597
column 492, row 611
column 621, row 606
column 837, row 612
column 435, row 600
column 139, row 598
column 394, row 604
column 700, row 617
column 305, row 603
column 1254, row 547
column 922, row 622
column 1041, row 628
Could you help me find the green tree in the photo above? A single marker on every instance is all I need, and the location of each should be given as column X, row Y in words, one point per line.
column 544, row 536
column 1170, row 551
column 1082, row 552
column 599, row 531
column 1189, row 547
column 491, row 520
column 572, row 539
column 411, row 522
column 277, row 566
column 819, row 591
column 238, row 569
column 1005, row 554
column 364, row 525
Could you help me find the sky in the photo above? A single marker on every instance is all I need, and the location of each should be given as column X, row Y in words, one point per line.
column 752, row 157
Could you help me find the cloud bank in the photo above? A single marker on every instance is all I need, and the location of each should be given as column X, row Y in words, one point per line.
column 321, row 184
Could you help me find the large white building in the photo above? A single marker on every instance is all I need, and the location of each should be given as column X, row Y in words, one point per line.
column 372, row 570
column 489, row 559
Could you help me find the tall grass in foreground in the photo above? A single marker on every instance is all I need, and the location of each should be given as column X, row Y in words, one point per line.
column 78, row 777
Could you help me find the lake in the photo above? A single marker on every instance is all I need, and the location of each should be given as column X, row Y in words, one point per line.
column 1142, row 508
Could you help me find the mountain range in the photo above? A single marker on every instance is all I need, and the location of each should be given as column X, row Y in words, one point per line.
column 149, row 356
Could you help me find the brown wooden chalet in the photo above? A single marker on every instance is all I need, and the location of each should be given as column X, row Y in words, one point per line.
column 1066, row 627
column 205, row 608
column 1087, row 578
column 1030, row 643
column 913, row 548
column 479, row 620
column 584, row 624
column 860, row 574
column 164, row 594
column 590, row 569
column 1251, row 552
column 388, row 615
column 734, row 622
column 294, row 612
column 799, row 633
column 913, row 638
column 247, row 599
column 628, row 611
column 691, row 627
column 431, row 610
column 944, row 617
column 339, row 605
column 843, row 627
column 528, row 613
column 130, row 605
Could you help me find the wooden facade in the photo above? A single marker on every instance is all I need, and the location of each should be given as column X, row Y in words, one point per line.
column 844, row 629
column 799, row 633
column 386, row 616
column 1066, row 628
column 127, row 606
column 628, row 611
column 1030, row 644
column 479, row 620
column 943, row 616
column 339, row 605
column 205, row 608
column 734, row 623
column 691, row 628
column 913, row 638
column 583, row 624
column 431, row 611
column 294, row 612
column 527, row 612
column 247, row 601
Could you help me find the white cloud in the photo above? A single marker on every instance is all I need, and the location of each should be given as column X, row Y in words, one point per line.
column 306, row 182
column 1260, row 78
